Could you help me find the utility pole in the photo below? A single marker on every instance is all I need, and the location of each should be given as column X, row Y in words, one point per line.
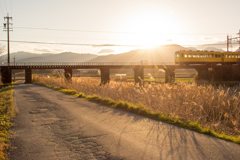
column 239, row 40
column 14, row 70
column 229, row 41
column 6, row 28
column 14, row 60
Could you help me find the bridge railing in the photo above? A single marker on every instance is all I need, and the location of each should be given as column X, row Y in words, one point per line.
column 85, row 63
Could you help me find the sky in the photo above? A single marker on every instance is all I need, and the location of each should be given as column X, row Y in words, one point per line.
column 116, row 26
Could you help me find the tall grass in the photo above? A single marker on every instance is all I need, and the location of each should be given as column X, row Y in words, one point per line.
column 217, row 108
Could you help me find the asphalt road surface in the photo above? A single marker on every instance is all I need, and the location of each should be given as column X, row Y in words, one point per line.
column 51, row 125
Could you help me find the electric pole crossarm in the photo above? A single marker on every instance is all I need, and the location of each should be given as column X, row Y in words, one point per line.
column 6, row 28
column 229, row 41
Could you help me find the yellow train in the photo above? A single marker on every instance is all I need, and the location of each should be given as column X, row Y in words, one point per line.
column 206, row 57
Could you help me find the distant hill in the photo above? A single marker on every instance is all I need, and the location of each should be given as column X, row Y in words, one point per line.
column 214, row 49
column 163, row 53
column 158, row 54
column 18, row 55
column 192, row 48
column 48, row 57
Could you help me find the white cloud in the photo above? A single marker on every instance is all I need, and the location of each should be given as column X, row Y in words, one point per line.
column 48, row 50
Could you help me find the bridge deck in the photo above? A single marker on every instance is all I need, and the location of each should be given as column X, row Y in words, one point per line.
column 98, row 65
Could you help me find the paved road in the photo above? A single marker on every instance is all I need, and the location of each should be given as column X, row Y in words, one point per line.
column 52, row 125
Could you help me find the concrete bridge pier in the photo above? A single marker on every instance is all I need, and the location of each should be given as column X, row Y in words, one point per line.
column 68, row 74
column 105, row 75
column 28, row 75
column 226, row 73
column 169, row 75
column 230, row 73
column 217, row 75
column 202, row 73
column 6, row 74
column 139, row 75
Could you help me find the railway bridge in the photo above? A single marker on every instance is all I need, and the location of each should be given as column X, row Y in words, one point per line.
column 104, row 67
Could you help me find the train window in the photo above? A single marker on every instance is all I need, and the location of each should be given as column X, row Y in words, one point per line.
column 189, row 56
column 226, row 56
column 232, row 55
column 194, row 55
column 197, row 55
column 185, row 55
column 229, row 56
column 215, row 55
column 219, row 55
column 239, row 56
column 204, row 56
column 177, row 55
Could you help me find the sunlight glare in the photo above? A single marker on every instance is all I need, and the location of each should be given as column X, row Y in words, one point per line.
column 151, row 29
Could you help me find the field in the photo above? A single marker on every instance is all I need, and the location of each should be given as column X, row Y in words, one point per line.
column 215, row 108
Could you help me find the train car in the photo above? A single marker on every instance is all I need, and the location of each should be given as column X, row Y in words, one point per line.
column 205, row 57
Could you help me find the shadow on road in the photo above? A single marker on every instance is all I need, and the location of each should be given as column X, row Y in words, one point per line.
column 172, row 142
column 166, row 141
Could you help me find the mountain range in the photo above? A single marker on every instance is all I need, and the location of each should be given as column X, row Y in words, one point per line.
column 158, row 54
column 49, row 57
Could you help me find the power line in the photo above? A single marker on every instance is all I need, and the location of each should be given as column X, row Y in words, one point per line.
column 72, row 30
column 61, row 37
column 93, row 45
column 108, row 45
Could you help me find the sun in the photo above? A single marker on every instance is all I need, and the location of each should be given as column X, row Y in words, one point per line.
column 150, row 28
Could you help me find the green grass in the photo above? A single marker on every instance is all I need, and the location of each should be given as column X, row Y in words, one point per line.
column 184, row 80
column 142, row 110
column 6, row 112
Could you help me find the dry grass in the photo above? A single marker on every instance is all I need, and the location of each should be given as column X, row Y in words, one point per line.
column 217, row 108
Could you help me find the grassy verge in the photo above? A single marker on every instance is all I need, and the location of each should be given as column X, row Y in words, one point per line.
column 140, row 109
column 6, row 112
